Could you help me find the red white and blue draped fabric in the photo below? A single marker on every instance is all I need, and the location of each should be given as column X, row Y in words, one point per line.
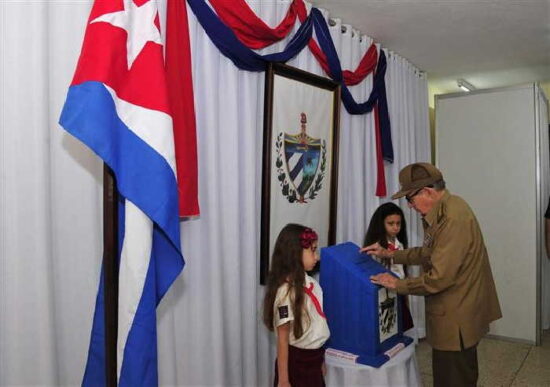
column 233, row 31
column 229, row 45
column 119, row 105
column 254, row 33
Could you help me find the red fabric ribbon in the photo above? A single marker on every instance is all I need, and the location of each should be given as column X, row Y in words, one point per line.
column 366, row 66
column 316, row 303
column 249, row 28
column 178, row 73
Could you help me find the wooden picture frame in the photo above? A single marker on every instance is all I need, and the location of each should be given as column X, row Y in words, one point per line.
column 300, row 156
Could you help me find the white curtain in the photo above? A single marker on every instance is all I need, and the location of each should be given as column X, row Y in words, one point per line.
column 209, row 326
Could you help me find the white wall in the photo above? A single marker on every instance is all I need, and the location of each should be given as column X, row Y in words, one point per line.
column 486, row 144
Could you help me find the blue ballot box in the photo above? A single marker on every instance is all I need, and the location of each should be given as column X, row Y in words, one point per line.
column 364, row 318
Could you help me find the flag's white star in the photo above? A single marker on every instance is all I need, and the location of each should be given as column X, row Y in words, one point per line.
column 139, row 23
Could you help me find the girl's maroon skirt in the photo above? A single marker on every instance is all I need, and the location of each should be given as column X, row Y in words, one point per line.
column 304, row 367
column 407, row 319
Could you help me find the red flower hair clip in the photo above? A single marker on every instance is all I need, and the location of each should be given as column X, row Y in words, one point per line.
column 307, row 237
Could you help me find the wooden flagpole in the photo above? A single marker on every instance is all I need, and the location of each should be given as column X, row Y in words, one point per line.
column 110, row 268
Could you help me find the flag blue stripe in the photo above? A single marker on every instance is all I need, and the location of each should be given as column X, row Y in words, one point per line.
column 94, row 374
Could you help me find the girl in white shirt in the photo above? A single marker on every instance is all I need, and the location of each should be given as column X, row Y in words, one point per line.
column 293, row 308
column 388, row 227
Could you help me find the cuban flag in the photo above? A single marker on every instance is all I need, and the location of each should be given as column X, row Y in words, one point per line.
column 118, row 104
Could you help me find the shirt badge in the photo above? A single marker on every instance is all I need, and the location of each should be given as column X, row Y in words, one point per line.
column 283, row 311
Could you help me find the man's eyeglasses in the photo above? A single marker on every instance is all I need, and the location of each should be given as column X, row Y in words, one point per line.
column 411, row 196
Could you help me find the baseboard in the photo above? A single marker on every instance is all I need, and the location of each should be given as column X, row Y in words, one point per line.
column 510, row 339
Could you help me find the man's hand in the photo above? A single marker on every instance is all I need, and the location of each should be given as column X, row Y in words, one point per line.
column 377, row 250
column 384, row 279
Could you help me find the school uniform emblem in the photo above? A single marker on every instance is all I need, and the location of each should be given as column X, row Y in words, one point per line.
column 300, row 164
column 387, row 313
column 283, row 311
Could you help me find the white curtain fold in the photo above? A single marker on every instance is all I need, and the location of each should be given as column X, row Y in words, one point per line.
column 209, row 325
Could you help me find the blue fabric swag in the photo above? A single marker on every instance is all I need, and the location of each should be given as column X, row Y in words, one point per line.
column 378, row 93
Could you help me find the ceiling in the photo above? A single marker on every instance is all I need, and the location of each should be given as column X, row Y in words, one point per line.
column 489, row 43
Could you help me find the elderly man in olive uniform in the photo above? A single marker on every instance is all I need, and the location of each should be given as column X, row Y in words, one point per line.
column 461, row 298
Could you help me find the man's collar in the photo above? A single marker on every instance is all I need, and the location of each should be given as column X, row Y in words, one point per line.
column 433, row 215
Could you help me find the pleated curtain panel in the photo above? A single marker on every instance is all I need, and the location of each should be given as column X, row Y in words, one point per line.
column 209, row 325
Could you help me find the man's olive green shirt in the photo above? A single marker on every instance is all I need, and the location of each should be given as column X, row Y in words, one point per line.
column 461, row 298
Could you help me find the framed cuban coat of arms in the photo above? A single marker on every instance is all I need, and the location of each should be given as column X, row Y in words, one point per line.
column 300, row 156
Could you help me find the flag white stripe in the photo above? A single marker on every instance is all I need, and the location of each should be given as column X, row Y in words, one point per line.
column 152, row 126
column 134, row 262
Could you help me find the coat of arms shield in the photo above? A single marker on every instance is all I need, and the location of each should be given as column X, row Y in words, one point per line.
column 301, row 158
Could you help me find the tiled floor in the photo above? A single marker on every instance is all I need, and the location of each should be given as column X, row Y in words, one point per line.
column 501, row 363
